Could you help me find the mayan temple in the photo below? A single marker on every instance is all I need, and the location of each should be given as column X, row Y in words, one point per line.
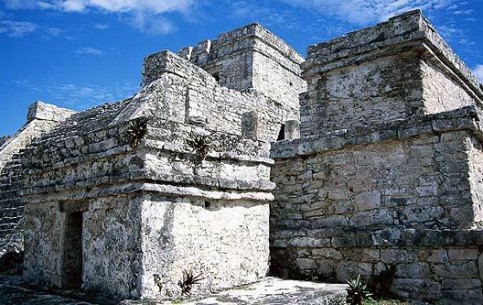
column 239, row 158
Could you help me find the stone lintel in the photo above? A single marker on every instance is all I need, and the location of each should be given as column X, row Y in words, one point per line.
column 465, row 118
column 73, row 206
column 410, row 31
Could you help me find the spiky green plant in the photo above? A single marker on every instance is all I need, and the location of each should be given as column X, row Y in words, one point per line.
column 357, row 293
column 136, row 131
column 189, row 279
column 200, row 144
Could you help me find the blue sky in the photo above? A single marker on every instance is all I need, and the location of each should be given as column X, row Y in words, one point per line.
column 82, row 53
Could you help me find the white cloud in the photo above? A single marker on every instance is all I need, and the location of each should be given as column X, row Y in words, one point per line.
column 17, row 28
column 89, row 51
column 478, row 71
column 102, row 26
column 53, row 32
column 145, row 15
column 363, row 12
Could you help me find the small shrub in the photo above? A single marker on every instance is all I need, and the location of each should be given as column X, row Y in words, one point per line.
column 189, row 279
column 357, row 293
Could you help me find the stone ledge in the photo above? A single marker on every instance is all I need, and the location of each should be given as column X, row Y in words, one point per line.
column 33, row 197
column 270, row 290
column 466, row 118
column 383, row 238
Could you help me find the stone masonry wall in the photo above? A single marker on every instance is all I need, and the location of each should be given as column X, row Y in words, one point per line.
column 442, row 267
column 112, row 249
column 397, row 194
column 40, row 119
column 384, row 89
column 184, row 92
column 381, row 177
column 252, row 57
column 43, row 231
column 441, row 92
column 395, row 70
column 224, row 242
column 475, row 156
column 101, row 165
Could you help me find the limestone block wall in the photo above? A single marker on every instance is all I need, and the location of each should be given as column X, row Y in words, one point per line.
column 108, row 183
column 395, row 70
column 112, row 248
column 181, row 91
column 224, row 242
column 442, row 267
column 43, row 242
column 396, row 195
column 41, row 118
column 80, row 219
column 209, row 216
column 441, row 90
column 384, row 89
column 252, row 57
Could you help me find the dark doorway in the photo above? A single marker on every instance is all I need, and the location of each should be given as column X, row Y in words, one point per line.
column 72, row 263
column 281, row 133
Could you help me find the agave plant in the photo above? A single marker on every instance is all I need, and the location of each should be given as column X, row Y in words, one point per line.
column 200, row 144
column 136, row 131
column 357, row 293
column 189, row 279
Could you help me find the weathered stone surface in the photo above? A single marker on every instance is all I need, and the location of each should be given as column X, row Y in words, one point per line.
column 379, row 173
column 387, row 169
column 353, row 78
column 41, row 118
column 268, row 291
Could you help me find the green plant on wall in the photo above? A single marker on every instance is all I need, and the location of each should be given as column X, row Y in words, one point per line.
column 357, row 293
column 189, row 279
column 200, row 145
column 136, row 131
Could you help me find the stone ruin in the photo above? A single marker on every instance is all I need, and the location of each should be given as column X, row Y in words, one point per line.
column 239, row 157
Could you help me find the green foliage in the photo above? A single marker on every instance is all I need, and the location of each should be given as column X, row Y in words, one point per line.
column 357, row 293
column 136, row 131
column 199, row 144
column 189, row 279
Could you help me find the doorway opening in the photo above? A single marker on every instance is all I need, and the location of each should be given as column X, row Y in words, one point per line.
column 72, row 260
column 281, row 133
